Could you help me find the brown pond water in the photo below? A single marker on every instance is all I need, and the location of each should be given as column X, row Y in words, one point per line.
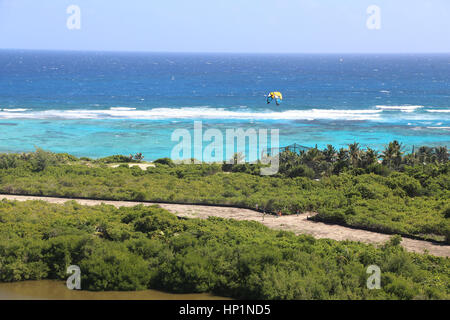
column 57, row 290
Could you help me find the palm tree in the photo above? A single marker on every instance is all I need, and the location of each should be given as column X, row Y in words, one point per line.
column 392, row 154
column 369, row 157
column 425, row 154
column 313, row 158
column 329, row 153
column 355, row 154
column 289, row 157
column 441, row 154
column 343, row 155
column 410, row 159
column 342, row 161
column 312, row 155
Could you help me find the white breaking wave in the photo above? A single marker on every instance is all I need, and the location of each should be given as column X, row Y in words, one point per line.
column 204, row 112
column 15, row 110
column 438, row 110
column 199, row 113
column 399, row 108
column 444, row 128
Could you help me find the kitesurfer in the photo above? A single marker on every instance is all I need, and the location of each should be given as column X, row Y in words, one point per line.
column 275, row 95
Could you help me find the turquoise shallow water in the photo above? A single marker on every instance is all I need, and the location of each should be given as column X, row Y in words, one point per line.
column 98, row 104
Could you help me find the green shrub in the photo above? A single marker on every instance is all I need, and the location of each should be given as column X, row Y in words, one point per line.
column 408, row 184
column 111, row 267
column 379, row 169
column 134, row 248
column 446, row 212
column 300, row 171
column 41, row 159
column 8, row 161
column 165, row 161
column 409, row 202
column 116, row 159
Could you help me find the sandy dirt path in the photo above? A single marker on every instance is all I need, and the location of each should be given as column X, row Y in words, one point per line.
column 297, row 224
column 143, row 166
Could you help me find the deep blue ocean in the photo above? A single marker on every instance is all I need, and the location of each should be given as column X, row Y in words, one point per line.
column 98, row 104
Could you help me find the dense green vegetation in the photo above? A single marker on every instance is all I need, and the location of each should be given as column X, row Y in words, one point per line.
column 138, row 157
column 407, row 200
column 148, row 247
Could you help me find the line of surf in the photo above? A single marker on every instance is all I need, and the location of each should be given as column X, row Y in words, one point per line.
column 376, row 113
column 406, row 108
column 14, row 110
column 197, row 113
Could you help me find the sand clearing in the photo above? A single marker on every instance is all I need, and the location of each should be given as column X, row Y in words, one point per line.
column 143, row 166
column 297, row 224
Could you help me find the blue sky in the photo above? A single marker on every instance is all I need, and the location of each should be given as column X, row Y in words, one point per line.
column 321, row 26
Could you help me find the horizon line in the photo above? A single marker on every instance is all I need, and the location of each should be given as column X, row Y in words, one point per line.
column 224, row 52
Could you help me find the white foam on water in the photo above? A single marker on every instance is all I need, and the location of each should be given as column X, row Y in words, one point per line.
column 15, row 110
column 399, row 108
column 379, row 113
column 438, row 110
column 200, row 113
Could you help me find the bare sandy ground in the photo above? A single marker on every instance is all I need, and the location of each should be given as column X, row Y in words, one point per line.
column 295, row 223
column 143, row 166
